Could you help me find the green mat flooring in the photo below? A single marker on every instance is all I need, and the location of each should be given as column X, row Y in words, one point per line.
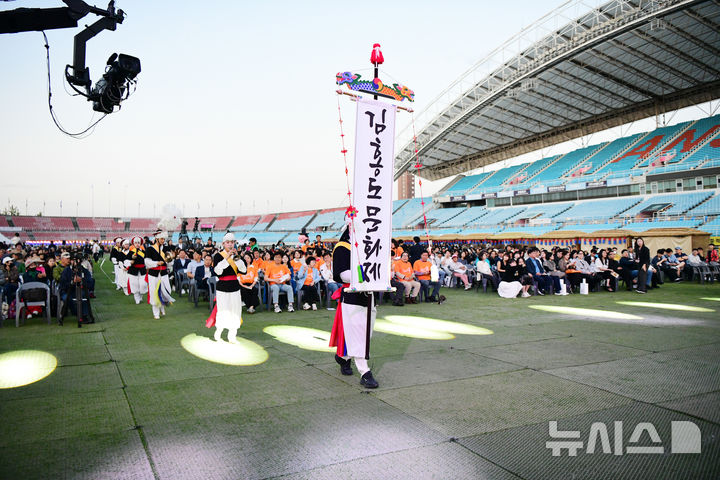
column 127, row 401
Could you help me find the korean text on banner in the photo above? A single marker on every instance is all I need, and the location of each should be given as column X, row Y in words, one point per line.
column 372, row 194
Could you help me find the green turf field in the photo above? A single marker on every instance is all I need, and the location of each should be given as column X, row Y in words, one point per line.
column 471, row 398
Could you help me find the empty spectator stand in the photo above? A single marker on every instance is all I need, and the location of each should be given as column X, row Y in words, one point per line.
column 498, row 178
column 530, row 230
column 292, row 221
column 698, row 136
column 329, row 219
column 67, row 236
column 712, row 227
column 544, row 211
column 679, row 203
column 709, row 207
column 43, row 223
column 144, row 224
column 438, row 216
column 647, row 225
column 590, row 227
column 410, row 210
column 536, row 167
column 261, row 224
column 604, row 159
column 468, row 216
column 246, row 222
column 266, row 238
column 463, row 185
column 100, row 224
column 498, row 215
column 605, row 208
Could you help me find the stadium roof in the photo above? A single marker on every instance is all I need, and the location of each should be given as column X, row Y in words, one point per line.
column 577, row 72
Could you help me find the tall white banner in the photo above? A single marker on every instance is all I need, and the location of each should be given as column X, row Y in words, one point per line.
column 372, row 195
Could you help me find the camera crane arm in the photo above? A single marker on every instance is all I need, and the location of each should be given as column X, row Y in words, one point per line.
column 38, row 19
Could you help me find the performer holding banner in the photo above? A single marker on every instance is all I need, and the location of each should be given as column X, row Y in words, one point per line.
column 353, row 326
column 158, row 280
column 361, row 259
column 227, row 314
column 136, row 272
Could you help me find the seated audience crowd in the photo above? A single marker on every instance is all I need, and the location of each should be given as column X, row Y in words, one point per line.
column 62, row 267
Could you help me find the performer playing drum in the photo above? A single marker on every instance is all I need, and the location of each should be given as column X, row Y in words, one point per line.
column 158, row 280
column 136, row 272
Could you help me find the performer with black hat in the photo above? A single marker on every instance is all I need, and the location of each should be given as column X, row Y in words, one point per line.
column 158, row 280
column 354, row 317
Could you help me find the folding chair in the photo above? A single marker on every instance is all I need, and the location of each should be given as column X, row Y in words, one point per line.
column 24, row 304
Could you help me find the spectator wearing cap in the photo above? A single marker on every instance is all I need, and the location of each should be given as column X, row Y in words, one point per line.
column 682, row 259
column 64, row 263
column 34, row 271
column 9, row 279
column 674, row 263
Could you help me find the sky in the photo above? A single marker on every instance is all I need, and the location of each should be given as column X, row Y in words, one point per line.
column 235, row 112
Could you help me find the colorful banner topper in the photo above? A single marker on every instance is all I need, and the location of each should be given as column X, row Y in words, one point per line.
column 374, row 87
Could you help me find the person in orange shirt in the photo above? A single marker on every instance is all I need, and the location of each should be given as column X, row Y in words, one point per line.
column 277, row 275
column 397, row 250
column 258, row 261
column 297, row 262
column 249, row 284
column 422, row 272
column 404, row 274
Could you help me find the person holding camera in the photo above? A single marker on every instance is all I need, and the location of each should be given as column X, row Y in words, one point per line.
column 158, row 279
column 73, row 283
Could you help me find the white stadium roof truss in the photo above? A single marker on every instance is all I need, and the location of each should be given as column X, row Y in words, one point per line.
column 580, row 69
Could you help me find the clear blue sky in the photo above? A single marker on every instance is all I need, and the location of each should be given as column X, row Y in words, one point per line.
column 235, row 104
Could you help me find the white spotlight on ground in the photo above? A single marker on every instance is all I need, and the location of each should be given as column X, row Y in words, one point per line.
column 243, row 353
column 302, row 337
column 666, row 306
column 438, row 325
column 586, row 312
column 23, row 367
column 411, row 331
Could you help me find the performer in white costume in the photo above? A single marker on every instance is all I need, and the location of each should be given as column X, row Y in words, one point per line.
column 137, row 285
column 158, row 280
column 124, row 263
column 114, row 254
column 228, row 307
